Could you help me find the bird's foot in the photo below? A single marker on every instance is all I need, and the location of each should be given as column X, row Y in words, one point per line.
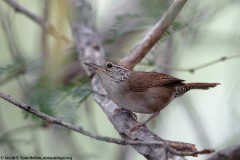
column 136, row 127
column 120, row 110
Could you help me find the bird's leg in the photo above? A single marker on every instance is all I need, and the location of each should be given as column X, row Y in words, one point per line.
column 136, row 126
column 149, row 119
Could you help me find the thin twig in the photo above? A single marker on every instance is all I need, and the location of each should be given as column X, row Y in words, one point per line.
column 52, row 120
column 79, row 129
column 194, row 154
column 49, row 28
column 177, row 146
column 193, row 69
column 153, row 36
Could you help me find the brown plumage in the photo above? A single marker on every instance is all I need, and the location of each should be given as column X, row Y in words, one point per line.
column 142, row 92
column 141, row 81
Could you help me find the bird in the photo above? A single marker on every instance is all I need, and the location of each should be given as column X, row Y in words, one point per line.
column 142, row 92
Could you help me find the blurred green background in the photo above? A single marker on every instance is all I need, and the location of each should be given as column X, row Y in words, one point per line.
column 43, row 71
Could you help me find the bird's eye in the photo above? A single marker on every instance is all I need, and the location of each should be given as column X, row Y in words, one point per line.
column 109, row 65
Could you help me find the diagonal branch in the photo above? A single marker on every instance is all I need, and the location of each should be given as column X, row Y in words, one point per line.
column 153, row 36
column 49, row 28
column 174, row 147
column 51, row 120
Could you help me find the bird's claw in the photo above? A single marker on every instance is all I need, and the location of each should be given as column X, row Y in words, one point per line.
column 136, row 126
column 120, row 110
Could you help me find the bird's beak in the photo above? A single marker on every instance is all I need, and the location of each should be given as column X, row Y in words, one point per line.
column 92, row 65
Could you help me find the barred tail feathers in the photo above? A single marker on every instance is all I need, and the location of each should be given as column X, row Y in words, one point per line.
column 180, row 90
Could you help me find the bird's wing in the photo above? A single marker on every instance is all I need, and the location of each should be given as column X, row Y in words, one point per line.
column 141, row 81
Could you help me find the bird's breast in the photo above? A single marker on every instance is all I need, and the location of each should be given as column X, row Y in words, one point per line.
column 150, row 101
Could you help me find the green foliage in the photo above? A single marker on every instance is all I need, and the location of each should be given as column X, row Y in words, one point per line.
column 9, row 71
column 60, row 102
column 174, row 27
column 132, row 23
column 126, row 24
column 154, row 8
column 149, row 60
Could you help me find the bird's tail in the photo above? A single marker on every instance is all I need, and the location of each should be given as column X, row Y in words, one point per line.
column 200, row 85
column 180, row 90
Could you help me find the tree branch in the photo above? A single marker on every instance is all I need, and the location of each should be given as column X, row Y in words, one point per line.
column 194, row 154
column 230, row 153
column 49, row 28
column 153, row 36
column 51, row 120
column 204, row 65
column 176, row 147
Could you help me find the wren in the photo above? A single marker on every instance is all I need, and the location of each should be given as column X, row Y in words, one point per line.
column 142, row 92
